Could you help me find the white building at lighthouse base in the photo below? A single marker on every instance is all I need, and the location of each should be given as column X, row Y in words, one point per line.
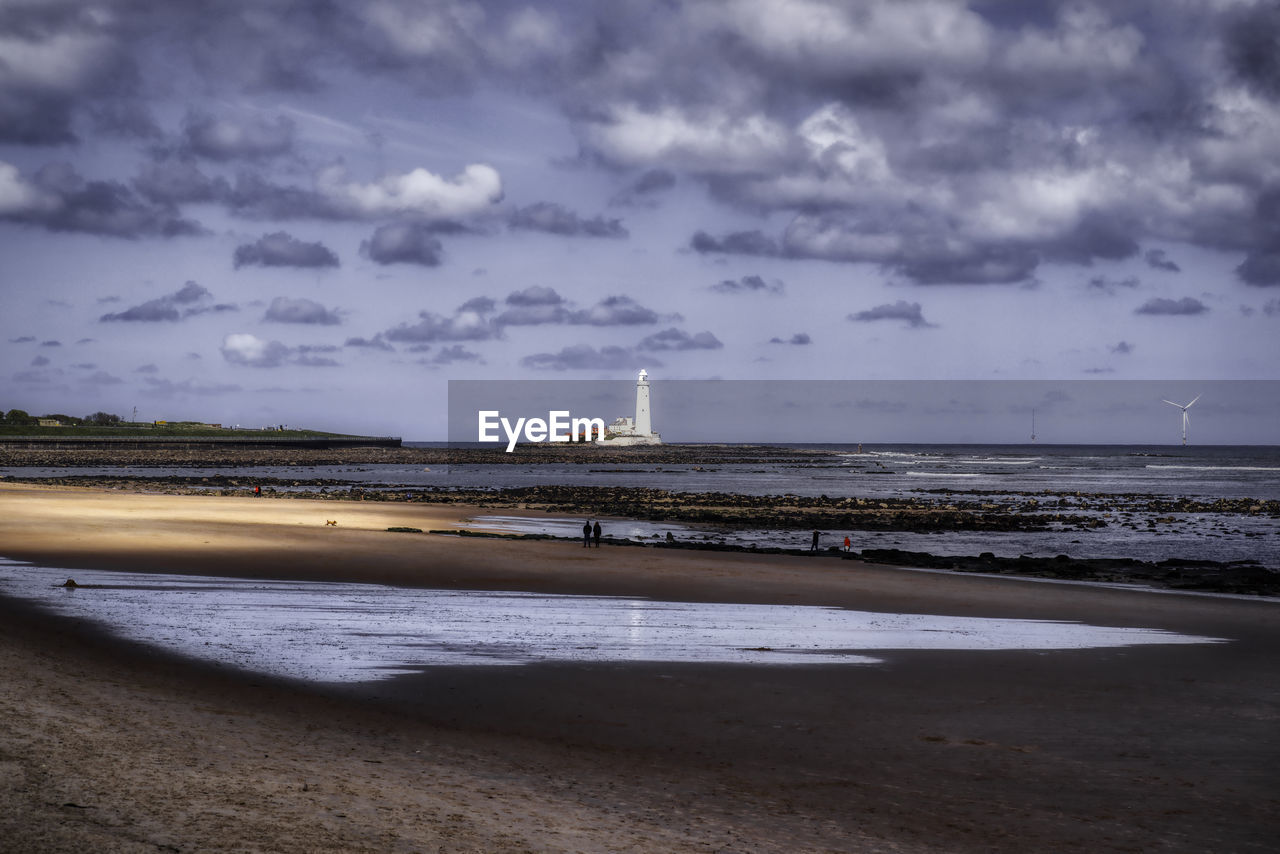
column 637, row 430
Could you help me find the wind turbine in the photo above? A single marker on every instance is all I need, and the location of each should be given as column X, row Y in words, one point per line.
column 1185, row 418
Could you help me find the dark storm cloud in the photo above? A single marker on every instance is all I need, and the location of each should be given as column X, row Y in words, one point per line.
column 220, row 308
column 254, row 196
column 925, row 261
column 1252, row 44
column 251, row 137
column 124, row 118
column 1123, row 348
column 736, row 243
column 800, row 339
column 52, row 342
column 533, row 306
column 1261, row 265
column 165, row 308
column 557, row 219
column 1111, row 286
column 1097, row 236
column 57, row 198
column 678, row 339
column 900, row 310
column 748, row 285
column 40, row 361
column 478, row 305
column 614, row 311
column 1271, row 308
column 644, row 189
column 947, row 143
column 452, row 355
column 470, row 322
column 403, row 243
column 975, row 265
column 285, row 310
column 534, row 295
column 281, row 249
column 377, row 342
column 149, row 311
column 988, row 143
column 653, row 181
column 539, row 305
column 1162, row 305
column 582, row 357
column 55, row 56
column 1260, row 268
column 1157, row 260
column 178, row 181
column 23, row 339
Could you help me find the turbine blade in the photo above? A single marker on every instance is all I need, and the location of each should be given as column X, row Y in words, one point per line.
column 1197, row 397
column 1171, row 403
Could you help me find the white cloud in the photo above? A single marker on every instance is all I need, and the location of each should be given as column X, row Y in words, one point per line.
column 417, row 192
column 709, row 140
column 58, row 62
column 243, row 348
column 1084, row 42
column 839, row 38
column 17, row 195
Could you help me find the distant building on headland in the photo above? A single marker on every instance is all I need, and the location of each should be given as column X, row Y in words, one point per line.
column 638, row 430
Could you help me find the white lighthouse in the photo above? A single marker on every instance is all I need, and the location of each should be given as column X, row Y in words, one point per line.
column 644, row 421
column 638, row 430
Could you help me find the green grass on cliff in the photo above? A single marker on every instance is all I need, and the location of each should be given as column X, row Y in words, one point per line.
column 172, row 429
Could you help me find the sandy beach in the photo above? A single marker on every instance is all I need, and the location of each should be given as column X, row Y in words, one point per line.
column 111, row 746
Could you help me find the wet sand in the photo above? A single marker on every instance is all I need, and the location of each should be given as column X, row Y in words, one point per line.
column 109, row 746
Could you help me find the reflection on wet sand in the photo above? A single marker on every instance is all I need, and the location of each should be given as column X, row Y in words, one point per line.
column 340, row 632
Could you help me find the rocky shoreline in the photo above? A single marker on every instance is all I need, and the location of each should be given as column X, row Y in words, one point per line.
column 214, row 457
column 1246, row 578
column 952, row 511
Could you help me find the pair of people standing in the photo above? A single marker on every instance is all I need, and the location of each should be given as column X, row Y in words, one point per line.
column 813, row 547
column 589, row 532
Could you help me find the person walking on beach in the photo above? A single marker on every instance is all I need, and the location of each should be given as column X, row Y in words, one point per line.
column 813, row 547
column 586, row 534
column 595, row 532
column 847, row 544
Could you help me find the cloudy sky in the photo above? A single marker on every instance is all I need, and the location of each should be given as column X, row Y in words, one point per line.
column 319, row 213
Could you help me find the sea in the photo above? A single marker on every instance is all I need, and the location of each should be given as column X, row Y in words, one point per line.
column 1129, row 488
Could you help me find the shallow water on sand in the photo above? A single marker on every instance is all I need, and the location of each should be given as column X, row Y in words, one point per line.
column 338, row 632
